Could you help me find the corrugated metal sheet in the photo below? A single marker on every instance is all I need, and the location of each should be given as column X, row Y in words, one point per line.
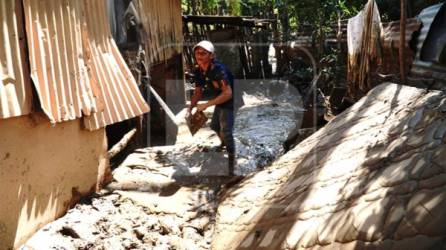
column 57, row 60
column 15, row 89
column 427, row 17
column 436, row 39
column 392, row 33
column 162, row 21
column 390, row 41
column 122, row 98
column 428, row 69
column 75, row 65
column 332, row 35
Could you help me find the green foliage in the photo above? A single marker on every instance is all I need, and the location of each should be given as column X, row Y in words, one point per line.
column 234, row 8
column 257, row 8
column 209, row 7
column 390, row 9
column 297, row 11
column 319, row 12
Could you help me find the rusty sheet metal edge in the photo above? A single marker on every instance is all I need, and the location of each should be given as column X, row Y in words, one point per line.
column 122, row 98
column 162, row 24
column 391, row 32
column 15, row 89
column 429, row 70
column 75, row 65
column 57, row 59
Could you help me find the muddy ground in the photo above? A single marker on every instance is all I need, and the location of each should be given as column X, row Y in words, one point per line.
column 167, row 197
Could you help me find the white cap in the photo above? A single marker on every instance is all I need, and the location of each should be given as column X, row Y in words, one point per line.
column 206, row 45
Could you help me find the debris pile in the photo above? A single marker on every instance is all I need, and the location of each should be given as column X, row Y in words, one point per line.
column 372, row 178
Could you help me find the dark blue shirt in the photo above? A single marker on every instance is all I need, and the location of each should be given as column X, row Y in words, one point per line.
column 216, row 72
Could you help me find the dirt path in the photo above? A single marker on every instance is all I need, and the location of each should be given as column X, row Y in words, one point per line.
column 167, row 197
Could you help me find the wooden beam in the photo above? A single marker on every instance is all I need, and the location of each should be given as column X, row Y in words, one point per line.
column 229, row 20
column 118, row 147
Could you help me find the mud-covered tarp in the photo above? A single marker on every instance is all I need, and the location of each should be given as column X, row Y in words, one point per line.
column 372, row 178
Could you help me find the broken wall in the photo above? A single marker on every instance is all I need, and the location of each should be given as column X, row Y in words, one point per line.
column 43, row 171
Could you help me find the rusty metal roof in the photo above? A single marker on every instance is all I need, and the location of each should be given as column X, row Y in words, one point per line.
column 15, row 89
column 121, row 96
column 57, row 60
column 392, row 34
column 75, row 65
column 162, row 22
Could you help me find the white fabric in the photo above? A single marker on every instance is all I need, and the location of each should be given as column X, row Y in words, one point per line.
column 355, row 28
column 354, row 33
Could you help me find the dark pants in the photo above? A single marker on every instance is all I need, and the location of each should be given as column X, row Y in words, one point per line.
column 223, row 124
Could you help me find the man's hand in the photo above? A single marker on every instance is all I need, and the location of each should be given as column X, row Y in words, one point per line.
column 189, row 111
column 202, row 107
column 195, row 98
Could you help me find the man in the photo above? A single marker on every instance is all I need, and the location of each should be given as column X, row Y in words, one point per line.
column 216, row 76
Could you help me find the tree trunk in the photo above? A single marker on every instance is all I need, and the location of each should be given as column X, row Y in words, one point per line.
column 285, row 20
column 118, row 147
column 193, row 4
column 403, row 41
column 221, row 8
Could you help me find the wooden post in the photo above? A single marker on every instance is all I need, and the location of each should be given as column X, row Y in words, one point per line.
column 403, row 41
column 118, row 147
column 339, row 45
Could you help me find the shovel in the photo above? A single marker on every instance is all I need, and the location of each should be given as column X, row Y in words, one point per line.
column 196, row 121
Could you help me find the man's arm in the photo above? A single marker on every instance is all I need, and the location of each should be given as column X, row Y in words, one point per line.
column 225, row 95
column 198, row 91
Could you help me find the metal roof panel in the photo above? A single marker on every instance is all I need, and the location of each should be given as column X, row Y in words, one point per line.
column 75, row 65
column 15, row 89
column 121, row 96
column 392, row 34
column 57, row 59
column 162, row 22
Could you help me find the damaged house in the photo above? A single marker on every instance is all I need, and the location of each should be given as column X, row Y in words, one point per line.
column 64, row 81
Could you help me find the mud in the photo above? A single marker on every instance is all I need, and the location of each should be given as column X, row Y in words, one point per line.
column 167, row 197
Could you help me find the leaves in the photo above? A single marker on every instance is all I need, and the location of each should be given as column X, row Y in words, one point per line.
column 291, row 13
